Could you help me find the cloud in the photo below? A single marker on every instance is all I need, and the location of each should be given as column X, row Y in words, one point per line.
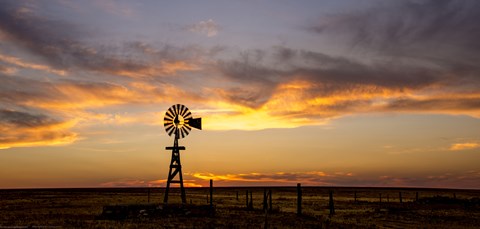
column 7, row 70
column 19, row 129
column 23, row 64
column 313, row 178
column 444, row 33
column 114, row 7
column 60, row 44
column 272, row 87
column 463, row 179
column 143, row 183
column 464, row 146
column 208, row 28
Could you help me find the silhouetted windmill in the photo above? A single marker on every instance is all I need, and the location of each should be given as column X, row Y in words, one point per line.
column 179, row 122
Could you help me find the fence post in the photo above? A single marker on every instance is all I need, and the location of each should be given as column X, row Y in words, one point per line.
column 148, row 199
column 251, row 200
column 237, row 195
column 264, row 199
column 416, row 196
column 388, row 198
column 330, row 203
column 380, row 194
column 299, row 199
column 246, row 198
column 355, row 196
column 270, row 200
column 400, row 196
column 211, row 193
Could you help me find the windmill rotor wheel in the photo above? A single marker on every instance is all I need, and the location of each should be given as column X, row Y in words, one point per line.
column 178, row 120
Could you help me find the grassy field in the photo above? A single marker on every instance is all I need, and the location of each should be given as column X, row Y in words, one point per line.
column 80, row 208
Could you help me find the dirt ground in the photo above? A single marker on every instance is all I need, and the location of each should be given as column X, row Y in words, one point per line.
column 372, row 208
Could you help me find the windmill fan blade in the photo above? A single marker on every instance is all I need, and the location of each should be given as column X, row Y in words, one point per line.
column 177, row 109
column 188, row 115
column 169, row 114
column 182, row 133
column 195, row 123
column 185, row 131
column 170, row 129
column 187, row 126
column 183, row 110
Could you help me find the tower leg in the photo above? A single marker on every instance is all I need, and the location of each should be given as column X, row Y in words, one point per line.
column 175, row 168
column 182, row 189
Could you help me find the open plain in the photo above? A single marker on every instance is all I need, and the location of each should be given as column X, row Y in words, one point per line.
column 372, row 208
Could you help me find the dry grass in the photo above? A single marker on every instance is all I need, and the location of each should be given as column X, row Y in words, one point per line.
column 78, row 208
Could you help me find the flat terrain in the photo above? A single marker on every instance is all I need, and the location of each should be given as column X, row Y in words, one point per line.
column 81, row 208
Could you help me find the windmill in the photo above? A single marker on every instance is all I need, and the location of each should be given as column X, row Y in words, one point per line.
column 179, row 122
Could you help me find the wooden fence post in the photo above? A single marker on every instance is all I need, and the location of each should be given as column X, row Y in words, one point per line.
column 270, row 200
column 211, row 193
column 237, row 195
column 251, row 200
column 330, row 203
column 246, row 198
column 380, row 194
column 416, row 196
column 148, row 199
column 264, row 199
column 299, row 199
column 400, row 196
column 388, row 198
column 355, row 196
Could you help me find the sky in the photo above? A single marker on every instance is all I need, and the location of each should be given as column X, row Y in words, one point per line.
column 324, row 93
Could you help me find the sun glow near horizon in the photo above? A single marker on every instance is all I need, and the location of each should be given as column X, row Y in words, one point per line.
column 315, row 92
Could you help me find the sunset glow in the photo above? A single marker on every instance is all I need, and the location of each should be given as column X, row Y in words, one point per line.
column 336, row 93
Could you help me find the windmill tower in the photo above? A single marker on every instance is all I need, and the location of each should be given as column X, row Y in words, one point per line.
column 179, row 122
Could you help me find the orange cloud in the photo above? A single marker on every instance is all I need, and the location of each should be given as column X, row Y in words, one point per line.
column 172, row 67
column 293, row 104
column 23, row 64
column 26, row 130
column 464, row 146
column 278, row 178
column 165, row 68
column 143, row 183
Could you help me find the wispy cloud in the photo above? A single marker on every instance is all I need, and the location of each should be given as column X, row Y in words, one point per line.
column 114, row 7
column 143, row 183
column 278, row 178
column 23, row 64
column 208, row 28
column 464, row 146
column 461, row 179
